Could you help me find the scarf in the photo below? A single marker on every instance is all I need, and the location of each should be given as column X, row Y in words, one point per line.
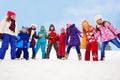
column 12, row 26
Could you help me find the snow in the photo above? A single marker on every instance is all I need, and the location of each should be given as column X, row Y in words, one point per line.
column 54, row 69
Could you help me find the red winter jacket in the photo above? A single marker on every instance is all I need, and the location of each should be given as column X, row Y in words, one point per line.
column 62, row 38
column 52, row 37
column 90, row 35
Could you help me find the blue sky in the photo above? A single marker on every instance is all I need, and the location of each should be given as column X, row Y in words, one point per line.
column 58, row 12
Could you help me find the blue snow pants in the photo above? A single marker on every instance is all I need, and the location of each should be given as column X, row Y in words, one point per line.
column 42, row 46
column 104, row 44
column 5, row 44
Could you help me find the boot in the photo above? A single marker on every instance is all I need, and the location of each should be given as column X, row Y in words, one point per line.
column 102, row 59
column 66, row 56
column 79, row 57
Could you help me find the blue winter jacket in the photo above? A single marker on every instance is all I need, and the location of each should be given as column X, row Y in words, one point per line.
column 42, row 39
column 23, row 40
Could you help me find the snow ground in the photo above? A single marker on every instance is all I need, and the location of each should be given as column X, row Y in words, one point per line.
column 54, row 69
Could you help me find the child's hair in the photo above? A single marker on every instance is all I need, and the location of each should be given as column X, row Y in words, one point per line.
column 52, row 26
column 8, row 19
column 83, row 28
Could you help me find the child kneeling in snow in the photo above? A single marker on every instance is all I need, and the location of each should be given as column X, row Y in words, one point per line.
column 92, row 43
column 23, row 44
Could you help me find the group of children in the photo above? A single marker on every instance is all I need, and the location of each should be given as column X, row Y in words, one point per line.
column 70, row 37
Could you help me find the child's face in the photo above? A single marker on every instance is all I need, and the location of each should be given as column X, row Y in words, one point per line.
column 42, row 29
column 33, row 27
column 68, row 25
column 13, row 17
column 99, row 22
column 85, row 24
column 24, row 30
column 52, row 28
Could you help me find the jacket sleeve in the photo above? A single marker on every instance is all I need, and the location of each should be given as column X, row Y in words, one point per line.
column 66, row 39
column 2, row 25
column 114, row 29
column 16, row 30
column 97, row 34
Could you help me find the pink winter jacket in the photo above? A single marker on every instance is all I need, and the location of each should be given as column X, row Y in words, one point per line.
column 107, row 32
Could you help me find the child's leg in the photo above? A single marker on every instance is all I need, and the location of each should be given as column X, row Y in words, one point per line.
column 13, row 47
column 63, row 50
column 5, row 44
column 104, row 44
column 95, row 51
column 37, row 48
column 43, row 50
column 78, row 52
column 26, row 54
column 18, row 52
column 49, row 47
column 68, row 51
column 116, row 42
column 87, row 52
column 33, row 52
column 56, row 49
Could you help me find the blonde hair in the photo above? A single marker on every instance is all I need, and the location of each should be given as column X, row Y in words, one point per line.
column 83, row 27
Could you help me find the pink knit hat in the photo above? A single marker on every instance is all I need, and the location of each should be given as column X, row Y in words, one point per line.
column 62, row 30
column 10, row 13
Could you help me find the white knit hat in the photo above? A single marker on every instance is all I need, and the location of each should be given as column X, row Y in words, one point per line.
column 98, row 17
column 33, row 25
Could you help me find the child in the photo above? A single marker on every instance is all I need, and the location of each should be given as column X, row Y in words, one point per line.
column 8, row 29
column 92, row 43
column 107, row 32
column 33, row 36
column 61, row 44
column 23, row 44
column 74, row 34
column 52, row 41
column 41, row 42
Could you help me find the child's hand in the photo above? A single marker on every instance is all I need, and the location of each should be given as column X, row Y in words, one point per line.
column 41, row 35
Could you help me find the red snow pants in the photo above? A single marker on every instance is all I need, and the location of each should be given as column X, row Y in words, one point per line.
column 93, row 46
column 61, row 50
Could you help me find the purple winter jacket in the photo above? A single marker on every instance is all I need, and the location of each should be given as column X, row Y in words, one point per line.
column 73, row 33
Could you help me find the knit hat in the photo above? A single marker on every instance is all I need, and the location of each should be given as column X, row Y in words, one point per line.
column 69, row 22
column 98, row 17
column 33, row 25
column 62, row 30
column 24, row 27
column 10, row 13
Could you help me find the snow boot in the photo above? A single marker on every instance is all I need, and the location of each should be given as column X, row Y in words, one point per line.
column 102, row 59
column 66, row 56
column 79, row 57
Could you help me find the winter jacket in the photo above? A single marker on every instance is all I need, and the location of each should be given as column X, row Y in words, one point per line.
column 4, row 27
column 90, row 35
column 107, row 32
column 74, row 34
column 52, row 37
column 62, row 38
column 23, row 40
column 33, row 36
column 42, row 39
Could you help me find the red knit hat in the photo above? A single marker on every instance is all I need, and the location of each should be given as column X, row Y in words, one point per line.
column 10, row 13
